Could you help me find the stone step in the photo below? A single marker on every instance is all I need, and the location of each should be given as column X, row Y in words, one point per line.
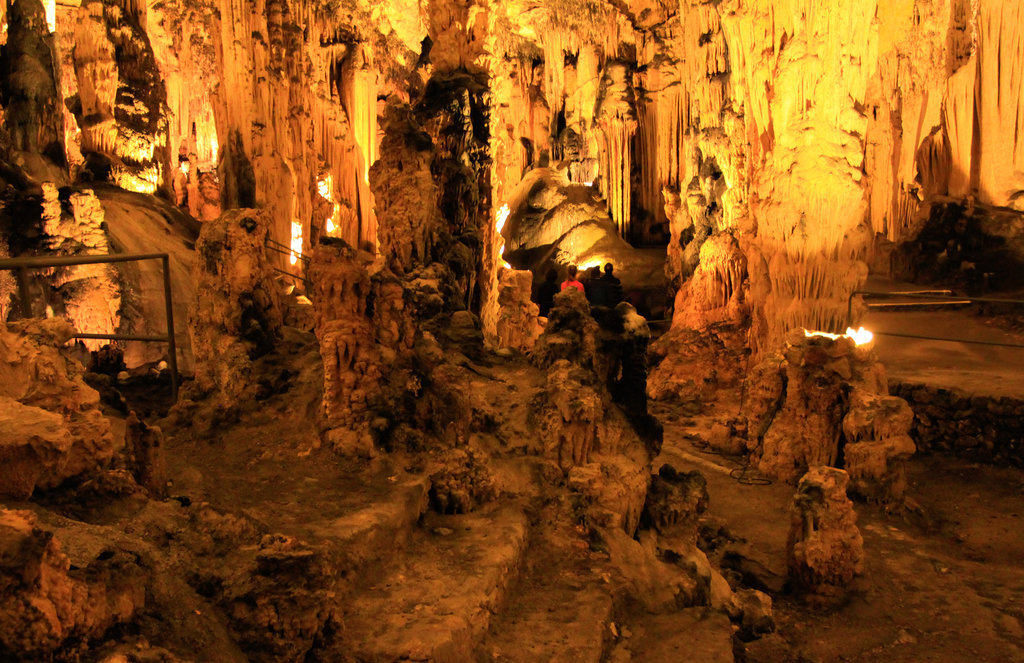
column 436, row 602
column 694, row 635
column 551, row 618
column 371, row 533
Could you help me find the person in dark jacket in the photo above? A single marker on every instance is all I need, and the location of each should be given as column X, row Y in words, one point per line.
column 612, row 286
column 546, row 292
column 596, row 290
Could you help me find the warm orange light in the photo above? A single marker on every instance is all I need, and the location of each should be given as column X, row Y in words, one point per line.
column 296, row 244
column 499, row 223
column 325, row 187
column 51, row 14
column 860, row 336
column 502, row 217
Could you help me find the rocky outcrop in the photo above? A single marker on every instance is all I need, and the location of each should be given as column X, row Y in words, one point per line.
column 237, row 316
column 605, row 457
column 718, row 290
column 45, row 603
column 53, row 426
column 878, row 444
column 145, row 447
column 822, row 402
column 692, row 367
column 517, row 326
column 675, row 502
column 32, row 114
column 34, row 446
column 825, row 550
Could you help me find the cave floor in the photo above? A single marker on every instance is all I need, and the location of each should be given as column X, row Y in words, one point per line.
column 943, row 579
column 516, row 580
column 966, row 362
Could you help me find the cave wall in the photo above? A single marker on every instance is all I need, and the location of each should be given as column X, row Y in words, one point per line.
column 810, row 130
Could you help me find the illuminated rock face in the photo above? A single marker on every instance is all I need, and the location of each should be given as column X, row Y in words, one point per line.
column 810, row 130
column 824, row 402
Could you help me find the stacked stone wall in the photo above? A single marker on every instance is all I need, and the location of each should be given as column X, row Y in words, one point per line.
column 978, row 428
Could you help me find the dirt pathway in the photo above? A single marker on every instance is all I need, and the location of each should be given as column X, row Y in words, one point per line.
column 942, row 582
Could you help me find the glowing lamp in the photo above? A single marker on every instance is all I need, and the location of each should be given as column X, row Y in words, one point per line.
column 296, row 244
column 859, row 336
column 502, row 217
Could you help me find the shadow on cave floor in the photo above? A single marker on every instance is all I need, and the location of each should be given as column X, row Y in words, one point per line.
column 943, row 582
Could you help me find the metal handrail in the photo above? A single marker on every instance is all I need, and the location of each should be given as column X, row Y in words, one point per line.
column 938, row 299
column 25, row 263
column 274, row 245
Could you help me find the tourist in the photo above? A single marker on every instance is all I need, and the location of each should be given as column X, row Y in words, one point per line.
column 546, row 292
column 612, row 286
column 571, row 281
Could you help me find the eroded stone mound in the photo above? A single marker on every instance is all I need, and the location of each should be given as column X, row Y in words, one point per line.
column 237, row 314
column 51, row 428
column 823, row 401
column 44, row 604
column 825, row 550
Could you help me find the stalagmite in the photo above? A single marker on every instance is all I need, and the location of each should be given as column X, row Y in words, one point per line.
column 236, row 317
column 352, row 364
column 825, row 550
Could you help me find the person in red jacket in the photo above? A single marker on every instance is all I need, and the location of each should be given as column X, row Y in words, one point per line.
column 572, row 281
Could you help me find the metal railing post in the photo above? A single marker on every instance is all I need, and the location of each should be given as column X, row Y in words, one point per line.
column 172, row 349
column 23, row 292
column 23, row 264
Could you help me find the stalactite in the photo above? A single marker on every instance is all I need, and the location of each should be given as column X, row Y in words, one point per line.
column 359, row 94
column 617, row 123
column 1000, row 103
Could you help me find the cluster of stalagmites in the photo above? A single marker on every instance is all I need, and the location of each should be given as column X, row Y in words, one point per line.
column 821, row 399
column 820, row 404
column 595, row 429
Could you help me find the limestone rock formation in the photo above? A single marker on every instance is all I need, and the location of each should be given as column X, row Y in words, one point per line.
column 825, row 550
column 517, row 325
column 145, row 444
column 570, row 333
column 878, row 443
column 34, row 445
column 47, row 604
column 237, row 316
column 717, row 291
column 675, row 501
column 605, row 457
column 352, row 365
column 822, row 399
column 53, row 426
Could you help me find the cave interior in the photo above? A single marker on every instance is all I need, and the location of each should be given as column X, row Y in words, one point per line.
column 291, row 368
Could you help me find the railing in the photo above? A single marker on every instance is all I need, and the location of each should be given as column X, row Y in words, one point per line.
column 278, row 247
column 930, row 297
column 24, row 264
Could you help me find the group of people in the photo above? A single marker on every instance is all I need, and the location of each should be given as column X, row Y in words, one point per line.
column 600, row 289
